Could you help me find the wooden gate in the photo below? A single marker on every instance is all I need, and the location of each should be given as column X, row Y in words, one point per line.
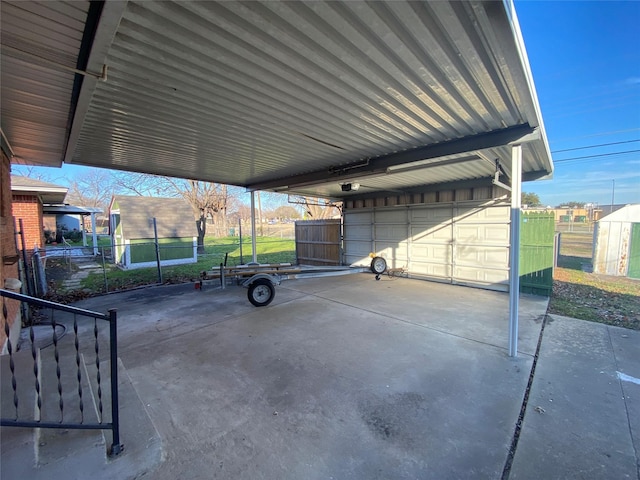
column 318, row 242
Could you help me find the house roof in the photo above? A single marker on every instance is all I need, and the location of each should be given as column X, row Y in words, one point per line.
column 628, row 213
column 48, row 192
column 69, row 210
column 174, row 217
column 298, row 97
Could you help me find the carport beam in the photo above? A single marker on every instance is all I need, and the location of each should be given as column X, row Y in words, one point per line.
column 514, row 251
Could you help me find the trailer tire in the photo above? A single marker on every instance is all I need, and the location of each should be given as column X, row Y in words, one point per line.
column 261, row 292
column 378, row 265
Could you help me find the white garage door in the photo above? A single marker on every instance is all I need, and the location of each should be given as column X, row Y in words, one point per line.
column 464, row 243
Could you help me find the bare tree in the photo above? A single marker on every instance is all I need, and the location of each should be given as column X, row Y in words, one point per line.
column 317, row 208
column 286, row 212
column 44, row 174
column 207, row 200
column 92, row 188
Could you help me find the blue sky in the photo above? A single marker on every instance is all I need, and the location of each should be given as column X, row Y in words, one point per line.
column 585, row 58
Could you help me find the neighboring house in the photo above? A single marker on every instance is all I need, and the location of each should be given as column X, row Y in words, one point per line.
column 132, row 231
column 616, row 243
column 21, row 202
column 591, row 212
column 28, row 197
column 70, row 222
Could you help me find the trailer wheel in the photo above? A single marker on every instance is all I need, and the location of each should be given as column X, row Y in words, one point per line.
column 261, row 292
column 378, row 265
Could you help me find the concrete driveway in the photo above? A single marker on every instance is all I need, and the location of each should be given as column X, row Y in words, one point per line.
column 349, row 378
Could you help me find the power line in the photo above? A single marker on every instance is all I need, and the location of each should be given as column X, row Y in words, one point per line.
column 600, row 134
column 594, row 146
column 595, row 156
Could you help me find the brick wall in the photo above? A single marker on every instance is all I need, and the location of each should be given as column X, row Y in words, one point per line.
column 8, row 265
column 28, row 208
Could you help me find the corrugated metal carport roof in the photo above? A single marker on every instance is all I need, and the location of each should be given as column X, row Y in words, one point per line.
column 289, row 96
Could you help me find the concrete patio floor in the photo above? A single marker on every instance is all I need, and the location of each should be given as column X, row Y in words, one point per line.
column 349, row 378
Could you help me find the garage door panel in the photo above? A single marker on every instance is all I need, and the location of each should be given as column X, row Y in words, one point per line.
column 494, row 214
column 357, row 260
column 492, row 234
column 482, row 256
column 358, row 232
column 433, row 260
column 357, row 253
column 392, row 233
column 440, row 254
column 484, row 277
column 356, row 247
column 431, row 269
column 431, row 233
column 394, row 253
column 430, row 215
column 397, row 216
column 358, row 216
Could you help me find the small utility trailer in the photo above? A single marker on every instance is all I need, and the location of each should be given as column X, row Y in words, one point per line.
column 259, row 278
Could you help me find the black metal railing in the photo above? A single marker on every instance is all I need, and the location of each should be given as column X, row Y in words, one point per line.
column 64, row 405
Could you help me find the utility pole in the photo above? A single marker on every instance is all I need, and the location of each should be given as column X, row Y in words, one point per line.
column 613, row 193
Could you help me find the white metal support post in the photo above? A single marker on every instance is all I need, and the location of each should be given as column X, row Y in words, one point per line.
column 253, row 226
column 514, row 250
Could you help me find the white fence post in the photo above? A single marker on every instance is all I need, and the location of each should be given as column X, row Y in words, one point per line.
column 127, row 253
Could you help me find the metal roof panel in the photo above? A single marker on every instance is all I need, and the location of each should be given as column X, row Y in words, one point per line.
column 250, row 93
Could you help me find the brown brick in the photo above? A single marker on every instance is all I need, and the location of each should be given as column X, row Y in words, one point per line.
column 7, row 245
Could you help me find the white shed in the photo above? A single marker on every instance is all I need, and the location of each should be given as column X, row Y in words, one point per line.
column 616, row 243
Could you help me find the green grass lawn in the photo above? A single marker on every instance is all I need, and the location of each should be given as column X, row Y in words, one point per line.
column 269, row 250
column 598, row 298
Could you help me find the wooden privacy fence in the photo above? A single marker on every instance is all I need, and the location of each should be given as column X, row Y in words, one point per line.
column 318, row 242
column 537, row 233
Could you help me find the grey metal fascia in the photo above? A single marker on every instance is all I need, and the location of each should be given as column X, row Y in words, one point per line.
column 524, row 60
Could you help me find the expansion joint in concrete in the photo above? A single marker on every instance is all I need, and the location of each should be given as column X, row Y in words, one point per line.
column 523, row 409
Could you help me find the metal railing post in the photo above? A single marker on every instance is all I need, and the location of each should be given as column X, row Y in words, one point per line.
column 116, row 446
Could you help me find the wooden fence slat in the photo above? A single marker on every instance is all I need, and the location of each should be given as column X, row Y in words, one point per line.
column 318, row 242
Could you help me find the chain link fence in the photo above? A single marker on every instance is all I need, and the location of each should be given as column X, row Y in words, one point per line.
column 82, row 271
